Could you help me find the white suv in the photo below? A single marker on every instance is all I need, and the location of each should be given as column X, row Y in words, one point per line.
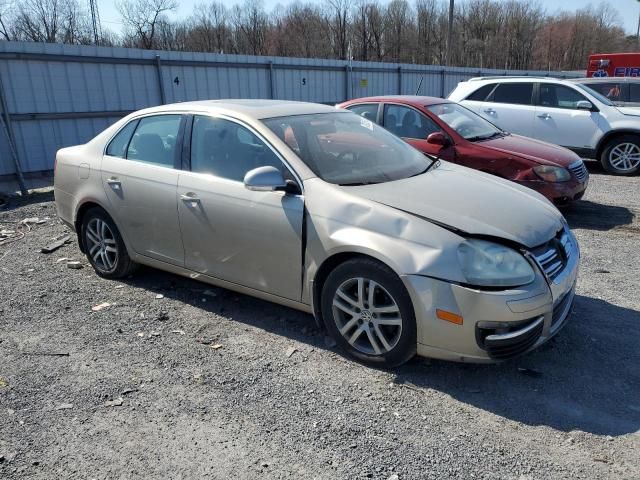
column 558, row 111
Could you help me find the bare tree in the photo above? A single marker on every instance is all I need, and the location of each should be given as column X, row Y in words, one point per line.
column 50, row 21
column 209, row 28
column 141, row 18
column 6, row 8
column 251, row 24
column 338, row 21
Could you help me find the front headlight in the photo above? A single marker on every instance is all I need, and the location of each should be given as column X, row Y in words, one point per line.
column 552, row 174
column 488, row 264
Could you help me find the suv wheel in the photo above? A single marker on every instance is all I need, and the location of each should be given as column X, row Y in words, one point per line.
column 621, row 156
column 103, row 245
column 368, row 311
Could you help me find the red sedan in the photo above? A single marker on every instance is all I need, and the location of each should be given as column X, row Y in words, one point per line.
column 451, row 132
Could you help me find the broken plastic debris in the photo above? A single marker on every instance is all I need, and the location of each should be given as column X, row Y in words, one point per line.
column 101, row 306
column 113, row 403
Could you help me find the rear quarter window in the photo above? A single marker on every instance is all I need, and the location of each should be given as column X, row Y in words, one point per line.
column 481, row 94
column 118, row 145
column 634, row 92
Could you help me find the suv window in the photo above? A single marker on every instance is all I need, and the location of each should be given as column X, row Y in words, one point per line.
column 516, row 93
column 634, row 92
column 119, row 143
column 611, row 90
column 482, row 93
column 559, row 96
column 226, row 149
column 408, row 123
column 366, row 110
column 155, row 140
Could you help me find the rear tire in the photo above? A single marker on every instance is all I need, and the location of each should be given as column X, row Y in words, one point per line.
column 104, row 246
column 621, row 155
column 368, row 312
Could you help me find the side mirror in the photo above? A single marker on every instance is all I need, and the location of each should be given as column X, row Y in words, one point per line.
column 584, row 105
column 265, row 179
column 438, row 138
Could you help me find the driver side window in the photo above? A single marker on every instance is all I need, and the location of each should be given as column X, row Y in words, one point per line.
column 407, row 122
column 227, row 149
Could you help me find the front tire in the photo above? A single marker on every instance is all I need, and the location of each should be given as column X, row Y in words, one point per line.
column 104, row 246
column 621, row 156
column 367, row 310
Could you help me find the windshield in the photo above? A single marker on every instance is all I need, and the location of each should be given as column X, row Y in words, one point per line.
column 468, row 124
column 346, row 149
column 593, row 93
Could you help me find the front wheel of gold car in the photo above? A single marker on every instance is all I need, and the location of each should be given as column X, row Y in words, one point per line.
column 368, row 311
column 104, row 246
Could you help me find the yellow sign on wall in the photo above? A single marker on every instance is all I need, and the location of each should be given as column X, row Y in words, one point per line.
column 364, row 83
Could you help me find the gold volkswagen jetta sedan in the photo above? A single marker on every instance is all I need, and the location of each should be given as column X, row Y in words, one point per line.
column 395, row 253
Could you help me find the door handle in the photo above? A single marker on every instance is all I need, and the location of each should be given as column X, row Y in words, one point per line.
column 114, row 182
column 544, row 116
column 190, row 198
column 490, row 111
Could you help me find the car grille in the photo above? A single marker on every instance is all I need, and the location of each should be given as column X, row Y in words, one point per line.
column 579, row 170
column 554, row 255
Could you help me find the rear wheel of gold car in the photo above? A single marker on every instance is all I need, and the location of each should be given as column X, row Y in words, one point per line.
column 368, row 311
column 103, row 245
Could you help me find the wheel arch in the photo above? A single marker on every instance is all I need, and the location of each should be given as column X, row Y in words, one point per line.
column 330, row 264
column 81, row 211
column 611, row 135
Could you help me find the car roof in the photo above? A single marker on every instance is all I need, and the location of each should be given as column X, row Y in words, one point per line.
column 256, row 108
column 422, row 100
column 606, row 80
column 521, row 78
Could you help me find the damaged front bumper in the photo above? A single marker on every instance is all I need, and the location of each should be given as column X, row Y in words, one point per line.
column 497, row 325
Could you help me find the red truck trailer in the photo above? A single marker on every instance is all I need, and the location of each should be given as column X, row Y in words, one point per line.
column 614, row 65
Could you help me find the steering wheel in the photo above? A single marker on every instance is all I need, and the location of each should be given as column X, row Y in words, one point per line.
column 341, row 155
column 466, row 129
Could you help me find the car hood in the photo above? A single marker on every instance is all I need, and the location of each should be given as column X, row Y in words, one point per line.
column 534, row 150
column 472, row 202
column 631, row 111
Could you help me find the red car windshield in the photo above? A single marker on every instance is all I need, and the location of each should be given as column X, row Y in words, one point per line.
column 346, row 149
column 468, row 124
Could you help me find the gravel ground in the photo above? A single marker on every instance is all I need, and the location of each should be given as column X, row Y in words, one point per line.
column 178, row 379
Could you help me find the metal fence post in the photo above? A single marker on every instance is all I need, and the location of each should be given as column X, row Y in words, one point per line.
column 163, row 98
column 272, row 87
column 347, row 81
column 400, row 80
column 11, row 139
column 443, row 78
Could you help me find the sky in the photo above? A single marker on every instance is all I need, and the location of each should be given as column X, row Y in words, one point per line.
column 629, row 10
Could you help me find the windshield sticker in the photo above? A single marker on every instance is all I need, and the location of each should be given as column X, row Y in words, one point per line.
column 366, row 123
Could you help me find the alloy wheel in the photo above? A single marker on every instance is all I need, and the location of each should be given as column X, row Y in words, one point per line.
column 625, row 157
column 367, row 316
column 101, row 245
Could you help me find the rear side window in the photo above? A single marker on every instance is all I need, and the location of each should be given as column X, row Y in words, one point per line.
column 482, row 93
column 634, row 92
column 367, row 110
column 516, row 93
column 559, row 96
column 118, row 146
column 406, row 122
column 154, row 141
column 613, row 90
